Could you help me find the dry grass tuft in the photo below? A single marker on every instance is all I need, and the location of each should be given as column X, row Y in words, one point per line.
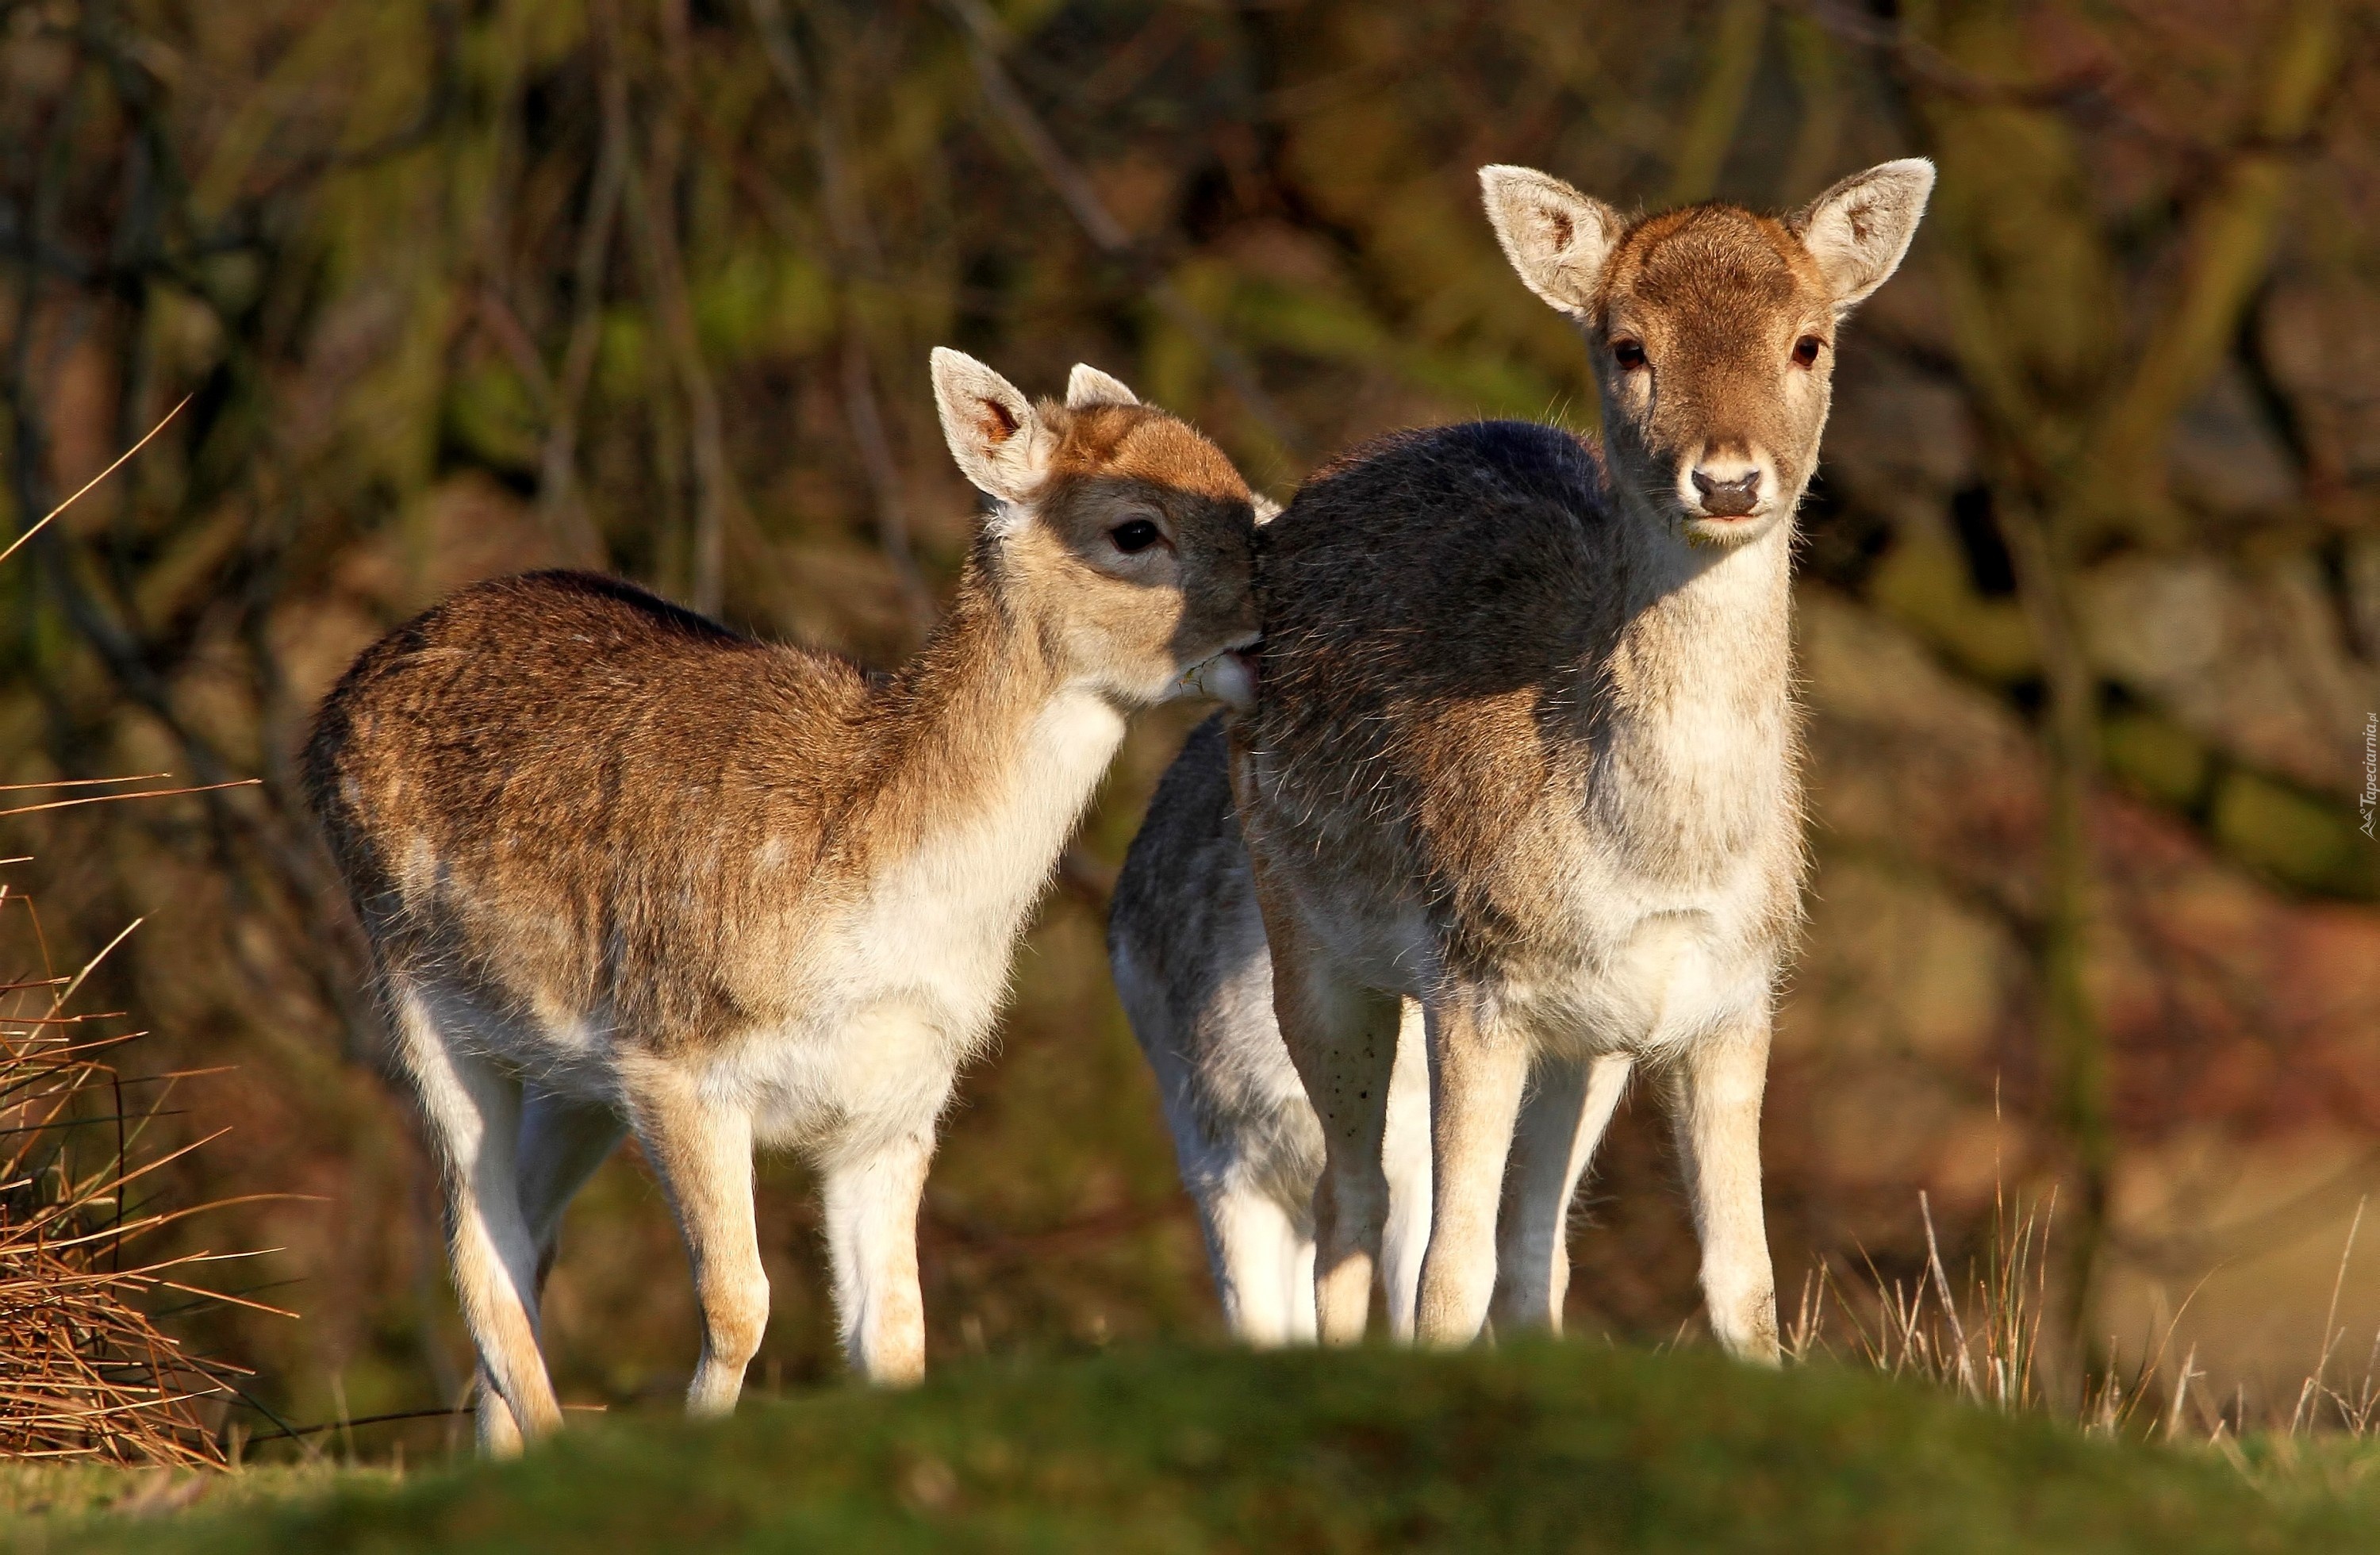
column 1992, row 1339
column 85, row 1371
column 1982, row 1340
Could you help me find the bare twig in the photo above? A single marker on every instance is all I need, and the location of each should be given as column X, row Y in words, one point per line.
column 144, row 794
column 988, row 42
column 84, row 1370
column 121, row 459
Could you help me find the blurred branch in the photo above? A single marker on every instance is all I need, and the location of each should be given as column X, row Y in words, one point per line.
column 1921, row 65
column 568, row 524
column 2231, row 237
column 1817, row 81
column 988, row 42
column 943, row 1223
column 846, row 213
column 651, row 201
column 2041, row 550
column 1718, row 108
column 855, row 256
column 438, row 107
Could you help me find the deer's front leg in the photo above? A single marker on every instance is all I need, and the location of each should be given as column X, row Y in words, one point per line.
column 1715, row 1090
column 1560, row 1124
column 871, row 1233
column 1478, row 1066
column 702, row 1152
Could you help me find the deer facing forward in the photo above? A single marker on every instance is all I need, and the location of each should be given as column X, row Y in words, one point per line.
column 1521, row 764
column 622, row 869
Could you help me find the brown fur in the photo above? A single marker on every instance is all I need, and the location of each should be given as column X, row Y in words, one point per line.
column 593, row 769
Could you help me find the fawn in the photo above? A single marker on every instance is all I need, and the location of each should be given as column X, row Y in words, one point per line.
column 1515, row 809
column 623, row 869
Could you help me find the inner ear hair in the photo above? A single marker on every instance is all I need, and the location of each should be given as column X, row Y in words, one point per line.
column 1859, row 229
column 998, row 423
column 1556, row 238
column 993, row 431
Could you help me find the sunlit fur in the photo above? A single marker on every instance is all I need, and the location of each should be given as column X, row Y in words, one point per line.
column 1522, row 759
column 621, row 867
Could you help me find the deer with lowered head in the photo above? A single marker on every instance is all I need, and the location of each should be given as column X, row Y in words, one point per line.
column 1515, row 812
column 622, row 869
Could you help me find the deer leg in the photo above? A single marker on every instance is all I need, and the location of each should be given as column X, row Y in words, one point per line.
column 471, row 1109
column 702, row 1153
column 562, row 1143
column 1405, row 1160
column 1715, row 1090
column 1342, row 1039
column 871, row 1232
column 1255, row 1247
column 563, row 1140
column 1297, row 1291
column 1562, row 1118
column 1477, row 1067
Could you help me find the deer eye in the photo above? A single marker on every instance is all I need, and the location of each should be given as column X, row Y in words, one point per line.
column 1135, row 535
column 1806, row 349
column 1629, row 354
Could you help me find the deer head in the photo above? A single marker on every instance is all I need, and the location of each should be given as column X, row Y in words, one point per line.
column 1121, row 533
column 1713, row 330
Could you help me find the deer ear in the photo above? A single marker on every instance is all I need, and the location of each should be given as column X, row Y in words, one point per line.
column 994, row 434
column 1089, row 386
column 1558, row 238
column 1858, row 230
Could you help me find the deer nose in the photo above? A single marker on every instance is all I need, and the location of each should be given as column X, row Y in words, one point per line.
column 1728, row 499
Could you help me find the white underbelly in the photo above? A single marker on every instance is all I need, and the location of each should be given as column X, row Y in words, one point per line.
column 1663, row 981
column 868, row 1076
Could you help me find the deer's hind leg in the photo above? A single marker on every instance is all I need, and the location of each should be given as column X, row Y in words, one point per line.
column 1263, row 1260
column 1342, row 1039
column 472, row 1110
column 563, row 1140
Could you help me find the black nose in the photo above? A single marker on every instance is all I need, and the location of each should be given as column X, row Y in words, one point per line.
column 1728, row 499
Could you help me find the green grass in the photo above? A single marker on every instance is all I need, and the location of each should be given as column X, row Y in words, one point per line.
column 1573, row 1447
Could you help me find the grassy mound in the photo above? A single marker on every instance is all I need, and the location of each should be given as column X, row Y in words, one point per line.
column 1573, row 1447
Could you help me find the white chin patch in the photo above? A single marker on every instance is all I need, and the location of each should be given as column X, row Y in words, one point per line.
column 1705, row 529
column 1224, row 678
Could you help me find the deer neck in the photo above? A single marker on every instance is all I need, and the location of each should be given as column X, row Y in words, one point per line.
column 1696, row 621
column 986, row 752
column 1692, row 725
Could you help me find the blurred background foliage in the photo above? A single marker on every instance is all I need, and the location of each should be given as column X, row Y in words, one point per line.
column 2091, row 584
